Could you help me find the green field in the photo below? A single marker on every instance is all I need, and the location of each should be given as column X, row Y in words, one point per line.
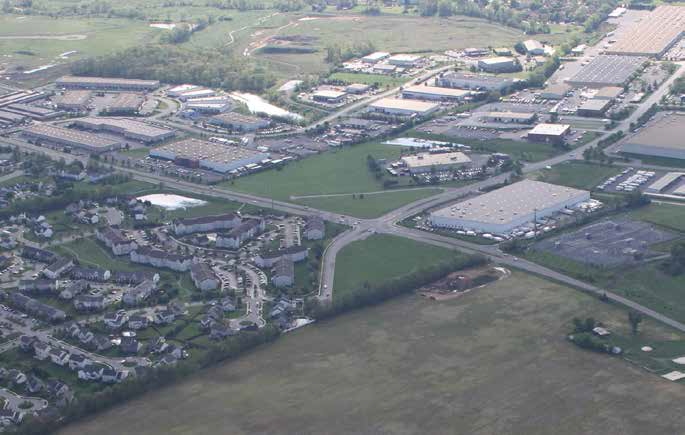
column 380, row 258
column 494, row 361
column 369, row 79
column 576, row 174
column 371, row 206
column 90, row 252
column 665, row 215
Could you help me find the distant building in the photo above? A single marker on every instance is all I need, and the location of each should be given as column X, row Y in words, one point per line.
column 239, row 122
column 402, row 107
column 480, row 82
column 161, row 259
column 594, row 108
column 533, row 47
column 106, row 84
column 550, row 133
column 357, row 88
column 283, row 273
column 426, row 162
column 511, row 117
column 206, row 224
column 235, row 238
column 115, row 240
column 435, row 93
column 375, row 57
column 269, row 258
column 314, row 228
column 329, row 96
column 204, row 277
column 499, row 65
column 139, row 293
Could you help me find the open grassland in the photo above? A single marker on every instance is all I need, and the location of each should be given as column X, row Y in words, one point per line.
column 337, row 171
column 576, row 174
column 381, row 258
column 369, row 79
column 87, row 36
column 371, row 205
column 494, row 361
column 670, row 216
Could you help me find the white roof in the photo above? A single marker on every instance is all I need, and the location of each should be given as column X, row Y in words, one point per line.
column 404, row 58
column 403, row 104
column 496, row 60
column 664, row 181
column 436, row 90
column 329, row 93
column 550, row 129
column 437, row 159
column 378, row 55
column 674, row 375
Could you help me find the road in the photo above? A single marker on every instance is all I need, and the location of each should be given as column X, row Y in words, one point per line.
column 13, row 402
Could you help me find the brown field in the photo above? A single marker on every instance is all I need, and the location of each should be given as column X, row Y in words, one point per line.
column 492, row 362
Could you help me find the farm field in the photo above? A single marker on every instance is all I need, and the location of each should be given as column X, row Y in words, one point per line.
column 369, row 207
column 576, row 174
column 485, row 363
column 380, row 258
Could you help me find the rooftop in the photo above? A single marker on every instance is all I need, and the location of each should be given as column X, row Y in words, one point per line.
column 606, row 70
column 667, row 132
column 196, row 150
column 550, row 129
column 403, row 104
column 428, row 159
column 653, row 34
column 105, row 80
column 436, row 90
column 124, row 124
column 73, row 136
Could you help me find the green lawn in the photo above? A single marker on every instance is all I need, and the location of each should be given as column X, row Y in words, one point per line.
column 90, row 252
column 580, row 175
column 665, row 215
column 214, row 206
column 371, row 206
column 380, row 258
column 658, row 161
column 339, row 171
column 369, row 79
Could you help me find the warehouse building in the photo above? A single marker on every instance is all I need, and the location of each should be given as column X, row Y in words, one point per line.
column 480, row 82
column 608, row 70
column 509, row 207
column 329, row 96
column 178, row 90
column 555, row 91
column 106, row 84
column 196, row 93
column 128, row 128
column 375, row 57
column 434, row 93
column 510, row 117
column 384, row 68
column 654, row 35
column 533, row 47
column 55, row 135
column 594, row 107
column 608, row 93
column 404, row 60
column 499, row 65
column 34, row 112
column 663, row 138
column 357, row 88
column 239, row 122
column 549, row 133
column 73, row 100
column 209, row 105
column 125, row 104
column 197, row 153
column 427, row 162
column 666, row 183
column 400, row 107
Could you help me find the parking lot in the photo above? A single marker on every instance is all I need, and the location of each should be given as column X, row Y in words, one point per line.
column 607, row 243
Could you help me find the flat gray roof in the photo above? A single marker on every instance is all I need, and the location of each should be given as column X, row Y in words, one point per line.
column 511, row 202
column 123, row 125
column 73, row 136
column 608, row 70
column 653, row 35
column 667, row 132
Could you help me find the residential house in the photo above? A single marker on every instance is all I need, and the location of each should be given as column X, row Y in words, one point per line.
column 38, row 286
column 10, row 418
column 164, row 317
column 139, row 293
column 267, row 259
column 91, row 372
column 89, row 302
column 39, row 255
column 74, row 289
column 58, row 267
column 315, row 228
column 59, row 356
column 134, row 278
column 60, row 391
column 96, row 274
column 283, row 273
column 78, row 362
column 206, row 224
column 109, row 376
column 115, row 320
column 204, row 277
column 130, row 345
column 115, row 240
column 138, row 321
column 34, row 384
column 161, row 259
column 38, row 309
column 235, row 238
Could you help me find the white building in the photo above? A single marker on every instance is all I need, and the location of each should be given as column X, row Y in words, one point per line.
column 435, row 93
column 404, row 60
column 499, row 64
column 426, row 162
column 402, row 107
column 375, row 57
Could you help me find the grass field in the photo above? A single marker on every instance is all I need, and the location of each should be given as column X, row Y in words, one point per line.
column 492, row 362
column 576, row 174
column 90, row 253
column 341, row 171
column 380, row 258
column 369, row 79
column 665, row 215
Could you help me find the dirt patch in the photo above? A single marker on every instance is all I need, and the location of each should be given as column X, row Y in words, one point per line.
column 459, row 283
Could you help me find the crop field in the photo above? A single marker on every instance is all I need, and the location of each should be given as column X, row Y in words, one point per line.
column 32, row 41
column 371, row 205
column 380, row 258
column 576, row 174
column 494, row 361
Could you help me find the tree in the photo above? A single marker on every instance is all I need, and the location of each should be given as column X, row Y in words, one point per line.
column 634, row 318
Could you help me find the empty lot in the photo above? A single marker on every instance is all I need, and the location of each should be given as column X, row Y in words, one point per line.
column 492, row 362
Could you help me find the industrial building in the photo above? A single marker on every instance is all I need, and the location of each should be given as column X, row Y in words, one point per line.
column 239, row 122
column 77, row 100
column 499, row 64
column 124, row 104
column 34, row 112
column 400, row 107
column 662, row 138
column 128, row 128
column 666, row 183
column 594, row 107
column 422, row 92
column 533, row 47
column 209, row 104
column 555, row 91
column 66, row 137
column 106, row 83
column 608, row 70
column 384, row 68
column 510, row 117
column 654, row 35
column 549, row 133
column 20, row 97
column 196, row 93
column 608, row 93
column 480, row 82
column 178, row 90
column 427, row 162
column 404, row 60
column 509, row 207
column 197, row 153
column 375, row 57
column 329, row 96
column 357, row 88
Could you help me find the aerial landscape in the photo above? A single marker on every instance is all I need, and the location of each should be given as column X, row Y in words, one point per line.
column 342, row 216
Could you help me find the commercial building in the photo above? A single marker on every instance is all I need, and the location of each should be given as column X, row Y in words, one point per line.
column 427, row 162
column 594, row 107
column 654, row 35
column 480, row 82
column 239, row 122
column 607, row 70
column 510, row 117
column 665, row 183
column 434, row 93
column 329, row 96
column 384, row 68
column 401, row 107
column 125, row 103
column 476, row 52
column 550, row 133
column 55, row 135
column 197, row 153
column 375, row 57
column 73, row 100
column 499, row 64
column 404, row 60
column 533, row 47
column 509, row 207
column 662, row 138
column 128, row 128
column 106, row 83
column 357, row 88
